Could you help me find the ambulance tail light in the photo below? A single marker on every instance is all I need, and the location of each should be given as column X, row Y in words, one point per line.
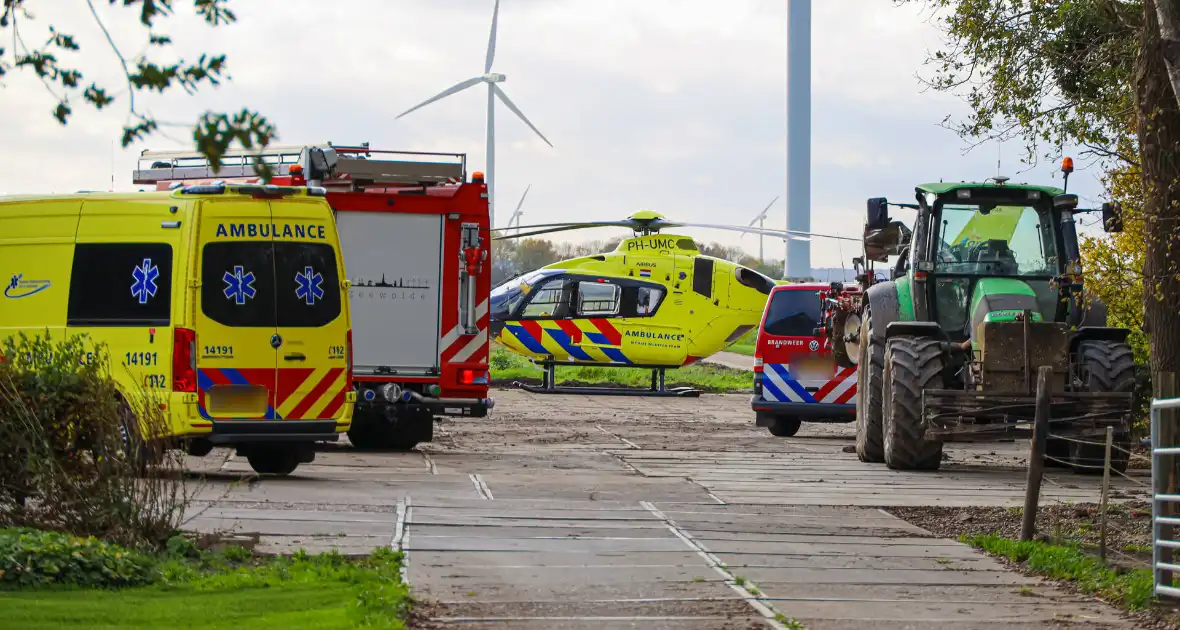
column 184, row 361
column 348, row 360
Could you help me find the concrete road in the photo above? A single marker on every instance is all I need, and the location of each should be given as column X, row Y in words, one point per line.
column 731, row 360
column 608, row 512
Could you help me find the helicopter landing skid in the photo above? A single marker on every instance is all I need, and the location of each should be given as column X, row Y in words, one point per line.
column 549, row 386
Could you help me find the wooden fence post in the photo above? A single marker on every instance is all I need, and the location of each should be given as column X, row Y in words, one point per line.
column 1036, row 454
column 1105, row 492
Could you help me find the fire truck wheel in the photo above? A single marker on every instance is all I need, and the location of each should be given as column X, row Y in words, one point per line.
column 912, row 365
column 367, row 431
column 784, row 426
column 870, row 443
column 412, row 428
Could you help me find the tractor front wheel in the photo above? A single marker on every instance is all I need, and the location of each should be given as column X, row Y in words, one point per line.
column 870, row 366
column 911, row 366
column 1106, row 366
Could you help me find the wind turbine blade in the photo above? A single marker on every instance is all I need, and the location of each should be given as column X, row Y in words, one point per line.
column 516, row 110
column 487, row 66
column 526, row 192
column 458, row 87
column 762, row 215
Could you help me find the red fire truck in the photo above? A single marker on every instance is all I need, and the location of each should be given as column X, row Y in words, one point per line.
column 414, row 234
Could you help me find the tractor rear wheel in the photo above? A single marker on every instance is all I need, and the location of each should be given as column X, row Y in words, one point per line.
column 1106, row 366
column 870, row 445
column 911, row 366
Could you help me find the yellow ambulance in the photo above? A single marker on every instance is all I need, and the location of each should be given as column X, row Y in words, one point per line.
column 227, row 303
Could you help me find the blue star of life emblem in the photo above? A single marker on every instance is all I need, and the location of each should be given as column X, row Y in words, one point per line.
column 308, row 286
column 239, row 285
column 145, row 277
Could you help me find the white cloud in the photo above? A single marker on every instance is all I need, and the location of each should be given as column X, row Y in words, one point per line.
column 673, row 105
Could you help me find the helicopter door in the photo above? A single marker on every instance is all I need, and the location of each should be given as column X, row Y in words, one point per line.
column 596, row 303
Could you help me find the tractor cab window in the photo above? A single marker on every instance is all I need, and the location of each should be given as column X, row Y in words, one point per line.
column 597, row 299
column 547, row 301
column 995, row 241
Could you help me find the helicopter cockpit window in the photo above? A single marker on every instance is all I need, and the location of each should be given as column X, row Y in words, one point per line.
column 546, row 301
column 598, row 298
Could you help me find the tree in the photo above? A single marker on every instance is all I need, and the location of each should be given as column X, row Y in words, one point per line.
column 1085, row 72
column 213, row 133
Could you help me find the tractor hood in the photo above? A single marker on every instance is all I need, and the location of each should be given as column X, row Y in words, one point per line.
column 1001, row 300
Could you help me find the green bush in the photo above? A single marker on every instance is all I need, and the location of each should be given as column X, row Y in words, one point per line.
column 31, row 558
column 72, row 450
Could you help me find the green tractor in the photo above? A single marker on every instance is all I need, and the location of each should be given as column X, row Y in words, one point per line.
column 987, row 288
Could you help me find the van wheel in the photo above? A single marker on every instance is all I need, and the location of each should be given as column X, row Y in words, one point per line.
column 784, row 426
column 272, row 461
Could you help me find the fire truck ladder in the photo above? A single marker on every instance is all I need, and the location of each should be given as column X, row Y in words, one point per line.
column 325, row 165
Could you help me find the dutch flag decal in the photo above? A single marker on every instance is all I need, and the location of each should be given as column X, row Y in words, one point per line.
column 645, row 273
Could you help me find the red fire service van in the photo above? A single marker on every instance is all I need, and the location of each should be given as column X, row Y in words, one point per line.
column 415, row 240
column 795, row 375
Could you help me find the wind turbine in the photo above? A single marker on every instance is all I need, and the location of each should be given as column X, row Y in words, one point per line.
column 517, row 213
column 494, row 92
column 760, row 220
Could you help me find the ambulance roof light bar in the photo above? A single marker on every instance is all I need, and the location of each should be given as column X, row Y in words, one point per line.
column 350, row 165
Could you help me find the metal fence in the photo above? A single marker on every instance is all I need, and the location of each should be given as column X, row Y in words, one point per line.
column 1165, row 515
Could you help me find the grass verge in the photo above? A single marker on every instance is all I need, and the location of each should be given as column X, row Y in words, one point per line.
column 230, row 590
column 1130, row 589
column 507, row 367
column 745, row 345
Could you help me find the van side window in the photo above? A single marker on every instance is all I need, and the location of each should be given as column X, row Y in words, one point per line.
column 307, row 285
column 598, row 298
column 121, row 284
column 237, row 283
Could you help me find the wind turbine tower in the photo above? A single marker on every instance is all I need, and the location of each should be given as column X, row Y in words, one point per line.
column 494, row 92
column 516, row 214
column 797, row 262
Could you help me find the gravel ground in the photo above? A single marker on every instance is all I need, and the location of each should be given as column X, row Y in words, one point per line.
column 1128, row 537
column 1128, row 525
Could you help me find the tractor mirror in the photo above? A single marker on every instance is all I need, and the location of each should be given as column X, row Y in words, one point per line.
column 1065, row 202
column 1112, row 217
column 878, row 214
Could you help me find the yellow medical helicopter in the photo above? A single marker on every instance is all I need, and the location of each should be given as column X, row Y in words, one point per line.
column 654, row 302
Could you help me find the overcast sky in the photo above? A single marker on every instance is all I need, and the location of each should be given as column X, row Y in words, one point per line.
column 678, row 106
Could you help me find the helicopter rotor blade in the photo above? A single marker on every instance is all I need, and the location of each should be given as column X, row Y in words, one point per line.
column 784, row 234
column 574, row 225
column 539, row 232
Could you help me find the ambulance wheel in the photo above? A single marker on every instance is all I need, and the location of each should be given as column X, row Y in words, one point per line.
column 784, row 426
column 273, row 461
